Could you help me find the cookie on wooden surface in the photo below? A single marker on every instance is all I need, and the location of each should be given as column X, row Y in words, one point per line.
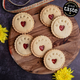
column 61, row 27
column 22, row 45
column 54, row 59
column 23, row 22
column 40, row 45
column 48, row 14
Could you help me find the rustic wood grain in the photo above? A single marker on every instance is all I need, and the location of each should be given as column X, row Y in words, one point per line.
column 69, row 46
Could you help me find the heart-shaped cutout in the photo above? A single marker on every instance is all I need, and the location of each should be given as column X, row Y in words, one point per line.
column 41, row 47
column 54, row 61
column 61, row 27
column 51, row 16
column 23, row 23
column 25, row 46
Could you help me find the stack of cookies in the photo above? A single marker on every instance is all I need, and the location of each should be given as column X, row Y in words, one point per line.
column 61, row 26
column 41, row 46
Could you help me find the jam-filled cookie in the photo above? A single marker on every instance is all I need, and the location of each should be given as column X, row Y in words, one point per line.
column 61, row 27
column 54, row 59
column 48, row 14
column 23, row 22
column 22, row 45
column 40, row 45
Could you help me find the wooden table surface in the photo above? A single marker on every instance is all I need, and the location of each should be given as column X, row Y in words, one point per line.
column 35, row 65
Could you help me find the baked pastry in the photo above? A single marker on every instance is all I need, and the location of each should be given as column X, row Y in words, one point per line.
column 61, row 27
column 23, row 22
column 54, row 59
column 40, row 45
column 48, row 14
column 22, row 45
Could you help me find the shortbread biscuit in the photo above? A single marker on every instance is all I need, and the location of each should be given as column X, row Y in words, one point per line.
column 22, row 45
column 23, row 22
column 48, row 14
column 40, row 45
column 54, row 59
column 61, row 27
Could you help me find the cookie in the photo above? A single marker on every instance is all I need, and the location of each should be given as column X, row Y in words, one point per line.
column 61, row 27
column 22, row 45
column 54, row 59
column 40, row 45
column 48, row 14
column 23, row 22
